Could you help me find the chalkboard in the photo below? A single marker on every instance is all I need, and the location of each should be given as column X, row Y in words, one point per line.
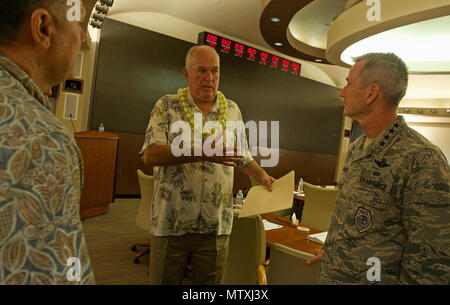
column 136, row 67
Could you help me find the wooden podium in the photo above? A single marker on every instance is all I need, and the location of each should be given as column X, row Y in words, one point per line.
column 99, row 151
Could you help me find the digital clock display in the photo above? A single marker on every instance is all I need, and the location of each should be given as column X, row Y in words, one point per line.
column 238, row 49
column 251, row 54
column 275, row 60
column 211, row 40
column 226, row 45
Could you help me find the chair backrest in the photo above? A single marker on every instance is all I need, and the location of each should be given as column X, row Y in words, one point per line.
column 146, row 184
column 247, row 250
column 319, row 206
column 288, row 266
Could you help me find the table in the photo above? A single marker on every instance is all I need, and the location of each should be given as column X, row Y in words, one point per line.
column 289, row 235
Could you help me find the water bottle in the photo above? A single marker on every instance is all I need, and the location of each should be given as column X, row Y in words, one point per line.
column 101, row 128
column 300, row 185
column 239, row 199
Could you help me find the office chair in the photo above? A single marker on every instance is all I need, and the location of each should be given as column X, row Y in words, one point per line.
column 143, row 216
column 288, row 267
column 284, row 213
column 319, row 206
column 246, row 252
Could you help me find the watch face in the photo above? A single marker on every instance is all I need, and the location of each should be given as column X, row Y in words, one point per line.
column 251, row 54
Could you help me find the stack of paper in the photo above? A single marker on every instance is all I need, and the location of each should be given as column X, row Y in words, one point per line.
column 318, row 237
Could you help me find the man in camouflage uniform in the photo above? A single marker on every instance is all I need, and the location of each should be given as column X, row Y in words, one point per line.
column 391, row 222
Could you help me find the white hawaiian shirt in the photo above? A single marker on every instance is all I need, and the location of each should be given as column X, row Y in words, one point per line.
column 192, row 197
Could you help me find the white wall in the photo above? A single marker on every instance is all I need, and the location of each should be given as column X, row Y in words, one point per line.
column 438, row 134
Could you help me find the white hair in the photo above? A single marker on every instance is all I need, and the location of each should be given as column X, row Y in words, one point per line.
column 192, row 50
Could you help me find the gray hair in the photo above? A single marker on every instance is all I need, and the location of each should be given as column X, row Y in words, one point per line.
column 386, row 70
column 192, row 50
column 14, row 12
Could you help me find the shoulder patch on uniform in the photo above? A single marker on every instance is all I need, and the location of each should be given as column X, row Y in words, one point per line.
column 363, row 220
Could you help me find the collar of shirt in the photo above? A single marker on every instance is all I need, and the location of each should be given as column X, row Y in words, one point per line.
column 24, row 79
column 380, row 142
column 215, row 107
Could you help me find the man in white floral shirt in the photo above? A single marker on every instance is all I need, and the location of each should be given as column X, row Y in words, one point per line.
column 41, row 239
column 192, row 210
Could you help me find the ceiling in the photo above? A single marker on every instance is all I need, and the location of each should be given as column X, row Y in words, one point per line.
column 304, row 29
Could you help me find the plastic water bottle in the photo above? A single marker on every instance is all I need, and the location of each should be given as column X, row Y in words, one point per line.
column 300, row 185
column 101, row 128
column 239, row 199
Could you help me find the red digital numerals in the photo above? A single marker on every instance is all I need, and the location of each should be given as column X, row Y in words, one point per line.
column 226, row 45
column 212, row 40
column 285, row 65
column 275, row 60
column 238, row 49
column 251, row 54
column 264, row 57
column 295, row 68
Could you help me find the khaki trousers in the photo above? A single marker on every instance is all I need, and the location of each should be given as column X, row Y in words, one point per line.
column 169, row 258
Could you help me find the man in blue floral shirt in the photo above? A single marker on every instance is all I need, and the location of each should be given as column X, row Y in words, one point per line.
column 41, row 239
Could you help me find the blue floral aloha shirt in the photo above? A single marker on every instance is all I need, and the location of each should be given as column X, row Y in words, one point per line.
column 40, row 185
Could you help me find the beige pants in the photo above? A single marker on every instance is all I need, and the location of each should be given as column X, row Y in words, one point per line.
column 169, row 258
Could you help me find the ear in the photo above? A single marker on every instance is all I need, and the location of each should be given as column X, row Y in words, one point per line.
column 186, row 74
column 42, row 26
column 372, row 92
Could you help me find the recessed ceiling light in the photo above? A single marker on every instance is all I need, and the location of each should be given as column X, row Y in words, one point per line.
column 318, row 60
column 278, row 44
column 275, row 19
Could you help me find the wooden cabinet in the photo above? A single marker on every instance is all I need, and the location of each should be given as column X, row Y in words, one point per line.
column 99, row 151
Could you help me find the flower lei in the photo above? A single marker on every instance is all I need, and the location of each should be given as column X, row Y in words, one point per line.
column 188, row 114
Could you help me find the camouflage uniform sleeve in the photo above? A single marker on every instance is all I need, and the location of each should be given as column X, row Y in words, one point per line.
column 426, row 200
column 157, row 128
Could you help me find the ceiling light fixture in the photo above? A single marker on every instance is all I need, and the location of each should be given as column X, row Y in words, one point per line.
column 278, row 44
column 418, row 35
column 421, row 50
column 96, row 24
column 107, row 2
column 102, row 8
column 275, row 19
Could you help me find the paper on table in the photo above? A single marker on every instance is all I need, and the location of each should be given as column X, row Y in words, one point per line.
column 301, row 194
column 270, row 225
column 259, row 200
column 318, row 237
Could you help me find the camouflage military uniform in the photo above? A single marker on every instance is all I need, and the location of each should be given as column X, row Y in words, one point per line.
column 393, row 204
